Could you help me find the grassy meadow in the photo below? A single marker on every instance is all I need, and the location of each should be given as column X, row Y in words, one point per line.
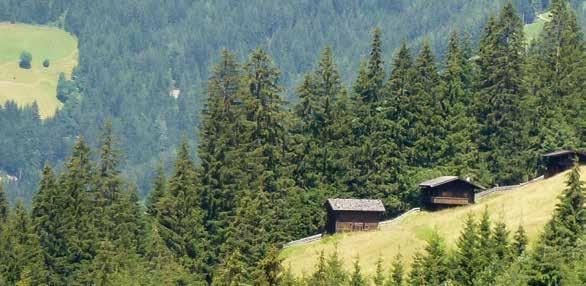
column 39, row 84
column 530, row 205
column 533, row 30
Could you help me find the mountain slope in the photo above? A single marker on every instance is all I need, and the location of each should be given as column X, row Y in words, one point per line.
column 38, row 83
column 530, row 205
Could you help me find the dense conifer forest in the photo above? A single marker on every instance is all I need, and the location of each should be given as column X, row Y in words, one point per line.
column 132, row 53
column 485, row 105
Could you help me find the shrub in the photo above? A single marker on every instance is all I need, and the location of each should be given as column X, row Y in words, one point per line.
column 46, row 63
column 25, row 60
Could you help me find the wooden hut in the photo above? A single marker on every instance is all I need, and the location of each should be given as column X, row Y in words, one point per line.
column 346, row 215
column 559, row 161
column 447, row 191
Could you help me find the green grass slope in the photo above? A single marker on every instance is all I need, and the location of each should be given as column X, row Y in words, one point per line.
column 530, row 205
column 38, row 83
column 533, row 30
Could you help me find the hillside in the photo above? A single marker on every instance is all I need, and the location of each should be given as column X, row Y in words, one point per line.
column 530, row 205
column 39, row 84
column 533, row 30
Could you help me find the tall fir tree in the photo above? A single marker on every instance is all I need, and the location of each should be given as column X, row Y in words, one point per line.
column 182, row 218
column 520, row 241
column 47, row 217
column 356, row 277
column 157, row 192
column 458, row 153
column 222, row 134
column 466, row 255
column 435, row 268
column 503, row 136
column 397, row 272
column 79, row 210
column 3, row 204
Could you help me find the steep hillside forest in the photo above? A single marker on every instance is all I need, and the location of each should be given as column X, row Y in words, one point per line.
column 485, row 110
column 133, row 53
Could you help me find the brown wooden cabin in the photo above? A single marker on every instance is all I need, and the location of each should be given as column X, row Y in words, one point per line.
column 447, row 191
column 559, row 161
column 347, row 215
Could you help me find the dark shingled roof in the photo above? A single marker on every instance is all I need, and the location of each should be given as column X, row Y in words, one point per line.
column 444, row 180
column 563, row 152
column 356, row 205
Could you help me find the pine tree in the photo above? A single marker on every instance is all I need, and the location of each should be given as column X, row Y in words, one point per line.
column 182, row 219
column 335, row 270
column 232, row 272
column 520, row 241
column 569, row 218
column 374, row 75
column 500, row 242
column 319, row 112
column 356, row 278
column 557, row 244
column 500, row 91
column 429, row 126
column 319, row 277
column 19, row 249
column 556, row 63
column 396, row 274
column 222, row 136
column 417, row 274
column 270, row 268
column 249, row 232
column 466, row 256
column 46, row 219
column 435, row 269
column 3, row 205
column 458, row 152
column 158, row 191
column 78, row 212
column 485, row 246
column 379, row 278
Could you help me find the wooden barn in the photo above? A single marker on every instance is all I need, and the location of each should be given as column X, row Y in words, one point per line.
column 447, row 191
column 559, row 161
column 346, row 215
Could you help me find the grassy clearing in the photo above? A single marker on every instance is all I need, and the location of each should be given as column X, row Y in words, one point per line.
column 531, row 205
column 533, row 30
column 38, row 83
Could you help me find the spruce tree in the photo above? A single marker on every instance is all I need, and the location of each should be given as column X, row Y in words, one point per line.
column 379, row 278
column 3, row 205
column 374, row 75
column 356, row 278
column 435, row 268
column 500, row 242
column 429, row 125
column 485, row 242
column 78, row 211
column 520, row 241
column 466, row 255
column 19, row 249
column 231, row 272
column 556, row 64
column 182, row 218
column 503, row 134
column 458, row 153
column 335, row 272
column 319, row 277
column 157, row 192
column 222, row 134
column 569, row 219
column 417, row 274
column 397, row 271
column 558, row 243
column 47, row 217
